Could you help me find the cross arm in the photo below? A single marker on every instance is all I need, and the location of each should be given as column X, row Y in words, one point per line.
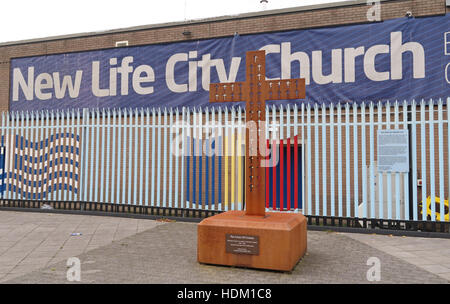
column 285, row 89
column 225, row 92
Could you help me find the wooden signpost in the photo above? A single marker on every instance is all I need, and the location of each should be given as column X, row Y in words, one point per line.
column 253, row 238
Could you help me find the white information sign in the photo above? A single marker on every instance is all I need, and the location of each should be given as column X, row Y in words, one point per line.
column 393, row 151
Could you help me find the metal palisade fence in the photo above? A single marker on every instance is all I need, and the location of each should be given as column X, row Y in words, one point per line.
column 322, row 160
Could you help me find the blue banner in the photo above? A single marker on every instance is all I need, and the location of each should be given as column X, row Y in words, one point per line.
column 400, row 59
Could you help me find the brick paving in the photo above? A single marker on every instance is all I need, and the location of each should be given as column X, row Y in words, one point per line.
column 167, row 254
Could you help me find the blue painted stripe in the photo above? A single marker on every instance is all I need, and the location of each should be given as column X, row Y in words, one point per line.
column 219, row 160
column 199, row 159
column 213, row 158
column 208, row 159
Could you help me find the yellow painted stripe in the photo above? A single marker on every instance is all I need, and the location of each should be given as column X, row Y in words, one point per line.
column 225, row 195
column 239, row 159
column 233, row 168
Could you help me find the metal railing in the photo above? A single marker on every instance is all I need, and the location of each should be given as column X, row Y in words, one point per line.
column 190, row 162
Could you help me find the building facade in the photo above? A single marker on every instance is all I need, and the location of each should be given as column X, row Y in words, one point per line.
column 108, row 51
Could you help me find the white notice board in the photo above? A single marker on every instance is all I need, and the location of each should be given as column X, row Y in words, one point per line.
column 393, row 151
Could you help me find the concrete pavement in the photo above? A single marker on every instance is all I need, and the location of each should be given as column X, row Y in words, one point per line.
column 431, row 254
column 29, row 241
column 34, row 248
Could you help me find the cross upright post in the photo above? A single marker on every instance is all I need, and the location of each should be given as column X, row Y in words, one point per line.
column 255, row 91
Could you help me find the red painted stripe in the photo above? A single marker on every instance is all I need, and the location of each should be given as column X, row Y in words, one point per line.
column 267, row 173
column 274, row 176
column 296, row 172
column 281, row 175
column 288, row 156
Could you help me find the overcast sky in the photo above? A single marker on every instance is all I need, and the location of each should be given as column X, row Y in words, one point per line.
column 28, row 19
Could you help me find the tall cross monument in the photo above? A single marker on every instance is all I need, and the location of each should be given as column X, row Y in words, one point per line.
column 255, row 91
column 275, row 240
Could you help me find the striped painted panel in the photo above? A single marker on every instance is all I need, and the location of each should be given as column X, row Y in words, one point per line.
column 2, row 171
column 43, row 167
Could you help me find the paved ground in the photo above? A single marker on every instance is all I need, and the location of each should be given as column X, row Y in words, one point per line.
column 429, row 254
column 29, row 241
column 118, row 250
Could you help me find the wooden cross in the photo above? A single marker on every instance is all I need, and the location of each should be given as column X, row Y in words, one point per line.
column 255, row 91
